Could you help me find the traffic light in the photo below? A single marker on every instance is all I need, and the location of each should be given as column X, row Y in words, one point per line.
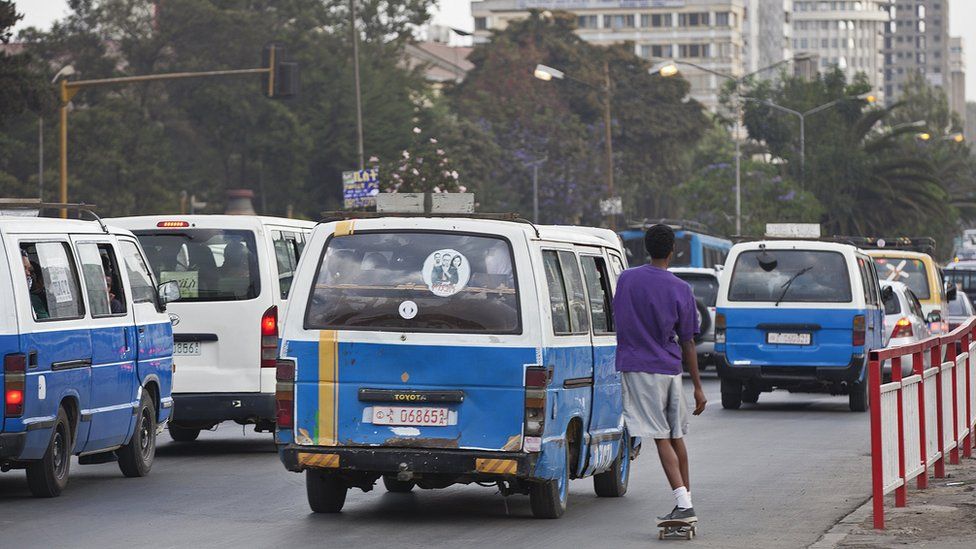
column 282, row 78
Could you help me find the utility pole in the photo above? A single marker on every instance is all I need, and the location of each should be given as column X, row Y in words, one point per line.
column 359, row 99
column 608, row 139
column 40, row 158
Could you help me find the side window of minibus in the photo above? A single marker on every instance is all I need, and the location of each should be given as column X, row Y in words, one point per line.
column 578, row 316
column 52, row 281
column 285, row 257
column 140, row 279
column 875, row 281
column 103, row 281
column 869, row 297
column 598, row 288
column 557, row 293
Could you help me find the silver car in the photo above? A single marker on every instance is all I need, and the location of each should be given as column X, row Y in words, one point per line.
column 704, row 284
column 904, row 320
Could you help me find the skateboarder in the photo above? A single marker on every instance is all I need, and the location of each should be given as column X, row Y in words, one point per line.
column 657, row 322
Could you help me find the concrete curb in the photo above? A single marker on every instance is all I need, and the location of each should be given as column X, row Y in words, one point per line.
column 845, row 526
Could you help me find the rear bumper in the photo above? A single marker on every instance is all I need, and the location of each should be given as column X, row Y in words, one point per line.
column 12, row 445
column 787, row 375
column 205, row 409
column 394, row 460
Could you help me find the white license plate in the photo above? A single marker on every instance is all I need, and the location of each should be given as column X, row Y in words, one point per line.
column 186, row 348
column 786, row 338
column 410, row 415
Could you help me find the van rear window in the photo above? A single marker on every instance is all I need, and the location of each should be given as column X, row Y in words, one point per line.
column 784, row 276
column 910, row 272
column 208, row 264
column 415, row 281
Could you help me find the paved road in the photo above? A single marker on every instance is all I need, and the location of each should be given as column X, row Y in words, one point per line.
column 773, row 475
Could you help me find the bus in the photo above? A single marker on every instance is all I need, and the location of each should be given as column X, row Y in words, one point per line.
column 693, row 246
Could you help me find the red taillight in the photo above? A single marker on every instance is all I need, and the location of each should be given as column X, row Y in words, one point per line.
column 172, row 224
column 720, row 328
column 14, row 380
column 269, row 337
column 536, row 380
column 285, row 393
column 903, row 328
column 859, row 330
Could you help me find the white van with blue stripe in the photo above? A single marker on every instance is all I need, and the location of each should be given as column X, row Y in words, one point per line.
column 87, row 350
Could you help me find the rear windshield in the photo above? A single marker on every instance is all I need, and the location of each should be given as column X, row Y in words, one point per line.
column 804, row 276
column 910, row 272
column 704, row 287
column 962, row 279
column 416, row 281
column 208, row 264
column 892, row 304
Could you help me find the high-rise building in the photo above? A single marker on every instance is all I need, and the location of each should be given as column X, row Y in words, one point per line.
column 844, row 34
column 767, row 33
column 704, row 32
column 917, row 42
column 957, row 77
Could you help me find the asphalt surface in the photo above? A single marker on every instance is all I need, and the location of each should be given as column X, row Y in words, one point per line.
column 776, row 474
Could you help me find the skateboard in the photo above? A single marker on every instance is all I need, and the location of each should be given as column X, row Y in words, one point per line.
column 676, row 529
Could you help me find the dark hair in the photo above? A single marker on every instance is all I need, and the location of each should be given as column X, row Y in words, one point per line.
column 659, row 241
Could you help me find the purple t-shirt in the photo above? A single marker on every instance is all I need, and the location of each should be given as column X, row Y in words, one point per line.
column 653, row 310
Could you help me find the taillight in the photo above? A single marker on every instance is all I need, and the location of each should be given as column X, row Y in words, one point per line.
column 172, row 224
column 859, row 330
column 719, row 328
column 903, row 328
column 269, row 337
column 536, row 381
column 14, row 382
column 284, row 393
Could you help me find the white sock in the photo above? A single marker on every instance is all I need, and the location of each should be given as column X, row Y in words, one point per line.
column 682, row 498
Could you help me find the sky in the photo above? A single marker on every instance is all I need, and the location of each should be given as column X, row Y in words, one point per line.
column 457, row 13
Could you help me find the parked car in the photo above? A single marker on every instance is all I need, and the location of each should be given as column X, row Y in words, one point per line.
column 235, row 274
column 704, row 284
column 960, row 309
column 87, row 350
column 904, row 320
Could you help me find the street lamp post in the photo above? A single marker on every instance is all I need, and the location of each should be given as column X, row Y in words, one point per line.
column 546, row 73
column 535, row 186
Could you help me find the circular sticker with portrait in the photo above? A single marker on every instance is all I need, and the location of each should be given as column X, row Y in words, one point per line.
column 446, row 272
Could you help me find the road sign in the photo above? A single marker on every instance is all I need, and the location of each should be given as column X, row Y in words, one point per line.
column 359, row 188
column 612, row 206
column 793, row 230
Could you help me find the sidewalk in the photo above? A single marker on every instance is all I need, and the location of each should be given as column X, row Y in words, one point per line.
column 942, row 516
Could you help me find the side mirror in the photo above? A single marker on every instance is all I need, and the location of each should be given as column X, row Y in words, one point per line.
column 887, row 293
column 950, row 291
column 168, row 292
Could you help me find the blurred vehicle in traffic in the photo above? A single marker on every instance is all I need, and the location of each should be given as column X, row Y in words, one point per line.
column 919, row 272
column 960, row 309
column 704, row 284
column 904, row 320
column 962, row 275
column 235, row 273
column 693, row 246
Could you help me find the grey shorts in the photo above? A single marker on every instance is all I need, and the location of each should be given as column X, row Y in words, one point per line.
column 654, row 405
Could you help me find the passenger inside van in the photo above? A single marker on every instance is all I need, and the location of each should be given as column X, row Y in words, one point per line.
column 35, row 285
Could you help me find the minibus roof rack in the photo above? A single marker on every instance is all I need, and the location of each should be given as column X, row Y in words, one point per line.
column 330, row 216
column 39, row 206
column 923, row 244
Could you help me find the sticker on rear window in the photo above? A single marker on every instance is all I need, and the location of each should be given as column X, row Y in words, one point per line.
column 189, row 282
column 446, row 272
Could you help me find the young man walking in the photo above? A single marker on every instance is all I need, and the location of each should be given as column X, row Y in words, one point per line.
column 656, row 320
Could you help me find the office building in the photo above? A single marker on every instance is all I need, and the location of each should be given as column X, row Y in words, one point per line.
column 917, row 42
column 705, row 32
column 844, row 34
column 957, row 77
column 767, row 33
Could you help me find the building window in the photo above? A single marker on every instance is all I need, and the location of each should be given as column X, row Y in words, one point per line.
column 480, row 23
column 693, row 50
column 722, row 19
column 659, row 50
column 587, row 21
column 697, row 19
column 618, row 21
column 655, row 20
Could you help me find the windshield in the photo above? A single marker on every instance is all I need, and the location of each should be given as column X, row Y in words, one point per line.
column 966, row 280
column 208, row 264
column 794, row 276
column 637, row 253
column 403, row 281
column 704, row 287
column 910, row 272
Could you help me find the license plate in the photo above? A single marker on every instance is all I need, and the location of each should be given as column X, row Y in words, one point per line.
column 787, row 338
column 186, row 348
column 410, row 415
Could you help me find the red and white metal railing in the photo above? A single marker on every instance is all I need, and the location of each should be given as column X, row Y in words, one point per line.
column 919, row 421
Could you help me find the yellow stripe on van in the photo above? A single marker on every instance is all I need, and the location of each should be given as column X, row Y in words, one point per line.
column 496, row 466
column 328, row 388
column 318, row 460
column 345, row 228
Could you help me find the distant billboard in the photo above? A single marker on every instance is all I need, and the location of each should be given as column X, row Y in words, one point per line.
column 359, row 188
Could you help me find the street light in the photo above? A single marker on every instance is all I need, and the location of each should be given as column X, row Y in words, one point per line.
column 547, row 73
column 669, row 68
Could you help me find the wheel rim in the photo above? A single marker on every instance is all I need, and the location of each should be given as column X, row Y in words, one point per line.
column 145, row 435
column 59, row 452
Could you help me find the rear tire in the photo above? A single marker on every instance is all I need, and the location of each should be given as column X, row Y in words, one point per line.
column 548, row 498
column 613, row 482
column 136, row 457
column 857, row 399
column 48, row 476
column 397, row 486
column 183, row 434
column 750, row 396
column 731, row 394
column 326, row 492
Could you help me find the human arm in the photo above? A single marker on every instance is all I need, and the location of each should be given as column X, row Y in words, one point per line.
column 689, row 357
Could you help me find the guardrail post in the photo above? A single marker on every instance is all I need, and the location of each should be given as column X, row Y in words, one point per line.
column 967, row 447
column 877, row 467
column 918, row 368
column 953, row 354
column 936, row 359
column 902, row 490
